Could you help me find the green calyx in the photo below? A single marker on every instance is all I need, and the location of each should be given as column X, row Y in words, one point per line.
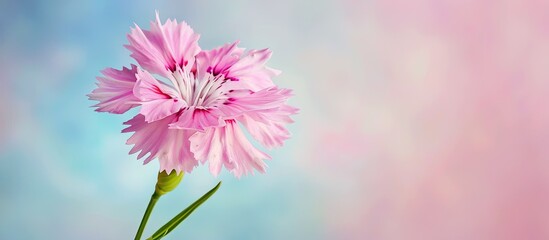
column 167, row 182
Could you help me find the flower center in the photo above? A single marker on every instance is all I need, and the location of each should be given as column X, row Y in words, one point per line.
column 201, row 93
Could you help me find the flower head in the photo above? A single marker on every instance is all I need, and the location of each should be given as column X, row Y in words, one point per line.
column 191, row 112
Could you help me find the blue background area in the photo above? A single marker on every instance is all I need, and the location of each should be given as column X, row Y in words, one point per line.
column 66, row 172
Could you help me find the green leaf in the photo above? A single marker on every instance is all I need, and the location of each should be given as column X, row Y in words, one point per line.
column 172, row 224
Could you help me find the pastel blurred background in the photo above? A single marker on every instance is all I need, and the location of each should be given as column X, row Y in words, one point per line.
column 423, row 119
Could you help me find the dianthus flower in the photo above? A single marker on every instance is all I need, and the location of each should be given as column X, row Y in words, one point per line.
column 194, row 103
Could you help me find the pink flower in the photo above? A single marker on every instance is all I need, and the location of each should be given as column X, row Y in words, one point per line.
column 193, row 116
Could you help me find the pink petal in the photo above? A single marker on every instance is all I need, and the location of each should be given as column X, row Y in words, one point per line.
column 269, row 126
column 247, row 68
column 241, row 101
column 263, row 113
column 219, row 60
column 165, row 47
column 251, row 71
column 115, row 90
column 171, row 146
column 227, row 146
column 198, row 119
column 158, row 100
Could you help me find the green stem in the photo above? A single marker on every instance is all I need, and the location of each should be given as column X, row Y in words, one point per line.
column 172, row 224
column 152, row 202
column 165, row 183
